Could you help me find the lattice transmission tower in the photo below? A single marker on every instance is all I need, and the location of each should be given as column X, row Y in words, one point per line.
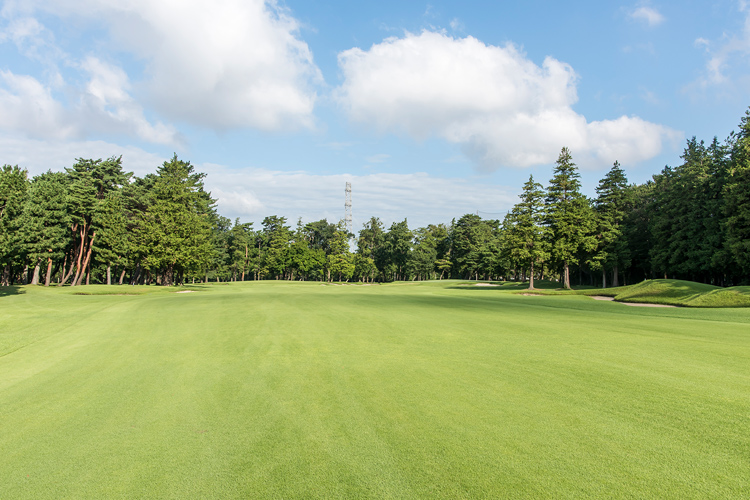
column 348, row 207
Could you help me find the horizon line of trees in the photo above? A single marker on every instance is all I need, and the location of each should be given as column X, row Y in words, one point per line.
column 94, row 222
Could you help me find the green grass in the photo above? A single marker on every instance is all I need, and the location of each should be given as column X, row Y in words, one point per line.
column 434, row 390
column 677, row 293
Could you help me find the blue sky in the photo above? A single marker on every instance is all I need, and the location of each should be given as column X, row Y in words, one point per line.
column 431, row 110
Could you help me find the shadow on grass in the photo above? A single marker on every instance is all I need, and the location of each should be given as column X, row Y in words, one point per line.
column 11, row 290
column 506, row 286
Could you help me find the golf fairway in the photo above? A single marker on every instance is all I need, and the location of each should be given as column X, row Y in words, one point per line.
column 409, row 390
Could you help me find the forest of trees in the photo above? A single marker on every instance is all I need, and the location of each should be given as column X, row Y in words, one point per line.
column 96, row 223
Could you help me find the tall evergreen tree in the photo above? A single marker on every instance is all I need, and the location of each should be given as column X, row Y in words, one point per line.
column 524, row 230
column 610, row 206
column 45, row 222
column 276, row 237
column 13, row 186
column 569, row 218
column 90, row 181
column 111, row 247
column 737, row 198
column 176, row 230
column 395, row 250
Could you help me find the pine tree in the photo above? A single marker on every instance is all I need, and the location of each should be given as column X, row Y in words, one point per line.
column 111, row 246
column 13, row 187
column 175, row 232
column 45, row 222
column 524, row 230
column 276, row 238
column 610, row 207
column 569, row 216
column 737, row 198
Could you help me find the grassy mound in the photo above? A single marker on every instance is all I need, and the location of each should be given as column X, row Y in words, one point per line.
column 677, row 293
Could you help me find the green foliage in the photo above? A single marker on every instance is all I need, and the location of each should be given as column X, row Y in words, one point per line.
column 524, row 231
column 569, row 216
column 691, row 221
column 475, row 246
column 175, row 234
column 611, row 207
column 339, row 261
column 13, row 187
column 45, row 221
column 737, row 199
column 276, row 237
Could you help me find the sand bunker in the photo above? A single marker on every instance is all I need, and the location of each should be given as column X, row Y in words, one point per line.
column 601, row 297
column 486, row 284
column 185, row 291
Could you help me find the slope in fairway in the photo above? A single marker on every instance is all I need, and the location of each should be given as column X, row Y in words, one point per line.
column 405, row 390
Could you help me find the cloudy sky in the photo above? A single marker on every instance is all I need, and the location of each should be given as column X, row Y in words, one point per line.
column 431, row 110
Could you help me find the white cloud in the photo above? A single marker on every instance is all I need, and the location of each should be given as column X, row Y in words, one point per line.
column 503, row 109
column 108, row 101
column 724, row 54
column 32, row 39
column 38, row 156
column 252, row 194
column 28, row 106
column 224, row 64
column 648, row 15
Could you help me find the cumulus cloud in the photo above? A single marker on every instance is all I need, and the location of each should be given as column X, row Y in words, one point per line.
column 108, row 101
column 223, row 64
column 502, row 108
column 647, row 15
column 28, row 106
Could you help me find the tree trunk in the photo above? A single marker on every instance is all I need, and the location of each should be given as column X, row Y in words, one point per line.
column 26, row 274
column 86, row 261
column 35, row 278
column 615, row 280
column 604, row 278
column 566, row 276
column 531, row 276
column 122, row 276
column 79, row 271
column 109, row 274
column 6, row 276
column 49, row 271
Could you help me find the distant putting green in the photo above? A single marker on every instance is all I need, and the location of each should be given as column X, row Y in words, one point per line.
column 435, row 390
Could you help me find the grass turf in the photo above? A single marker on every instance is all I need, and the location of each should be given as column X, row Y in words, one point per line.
column 392, row 391
column 677, row 293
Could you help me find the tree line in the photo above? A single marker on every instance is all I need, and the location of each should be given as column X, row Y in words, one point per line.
column 94, row 222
